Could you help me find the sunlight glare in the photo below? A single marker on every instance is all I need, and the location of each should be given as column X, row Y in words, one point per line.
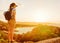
column 40, row 16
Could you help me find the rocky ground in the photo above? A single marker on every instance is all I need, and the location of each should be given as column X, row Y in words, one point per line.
column 53, row 40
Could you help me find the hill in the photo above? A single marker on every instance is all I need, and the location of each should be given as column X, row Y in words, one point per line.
column 41, row 32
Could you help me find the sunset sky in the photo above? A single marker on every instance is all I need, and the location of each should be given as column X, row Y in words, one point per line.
column 33, row 10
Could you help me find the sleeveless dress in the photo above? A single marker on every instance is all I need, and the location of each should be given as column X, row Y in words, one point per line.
column 11, row 25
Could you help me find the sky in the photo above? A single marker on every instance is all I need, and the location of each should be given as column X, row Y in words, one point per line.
column 33, row 10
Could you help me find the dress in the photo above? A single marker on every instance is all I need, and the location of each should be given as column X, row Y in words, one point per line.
column 11, row 25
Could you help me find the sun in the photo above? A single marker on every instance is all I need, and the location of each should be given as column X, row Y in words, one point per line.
column 40, row 16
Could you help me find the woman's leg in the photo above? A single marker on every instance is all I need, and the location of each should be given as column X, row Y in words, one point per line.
column 11, row 27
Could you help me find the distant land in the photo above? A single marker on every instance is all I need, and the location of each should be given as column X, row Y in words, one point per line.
column 37, row 23
column 31, row 24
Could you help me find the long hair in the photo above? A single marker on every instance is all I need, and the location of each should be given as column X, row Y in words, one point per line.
column 12, row 6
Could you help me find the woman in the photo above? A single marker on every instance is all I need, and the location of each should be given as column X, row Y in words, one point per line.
column 11, row 21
